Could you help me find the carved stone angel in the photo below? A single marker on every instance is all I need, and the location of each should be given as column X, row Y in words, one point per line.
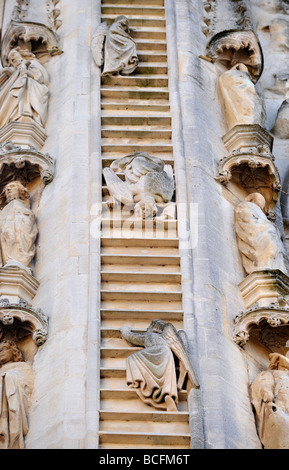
column 148, row 183
column 152, row 370
column 23, row 89
column 113, row 48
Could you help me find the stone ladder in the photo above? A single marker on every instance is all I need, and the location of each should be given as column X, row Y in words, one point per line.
column 140, row 263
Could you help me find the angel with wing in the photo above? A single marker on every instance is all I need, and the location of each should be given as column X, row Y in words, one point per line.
column 148, row 183
column 113, row 48
column 152, row 371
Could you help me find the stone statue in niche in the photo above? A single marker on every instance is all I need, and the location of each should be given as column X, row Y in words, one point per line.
column 24, row 89
column 259, row 240
column 16, row 387
column 113, row 48
column 149, row 183
column 270, row 400
column 152, row 370
column 18, row 229
column 242, row 102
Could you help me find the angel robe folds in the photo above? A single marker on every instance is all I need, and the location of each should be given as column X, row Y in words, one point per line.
column 151, row 371
column 16, row 385
column 18, row 234
column 118, row 54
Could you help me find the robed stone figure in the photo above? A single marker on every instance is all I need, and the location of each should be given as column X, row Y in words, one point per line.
column 113, row 48
column 24, row 89
column 18, row 230
column 259, row 240
column 270, row 400
column 16, row 387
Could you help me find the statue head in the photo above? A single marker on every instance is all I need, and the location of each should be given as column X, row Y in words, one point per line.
column 258, row 199
column 17, row 55
column 241, row 67
column 278, row 362
column 123, row 22
column 157, row 326
column 9, row 352
column 15, row 190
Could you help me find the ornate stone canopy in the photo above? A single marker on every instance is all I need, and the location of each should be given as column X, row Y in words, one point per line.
column 23, row 317
column 233, row 47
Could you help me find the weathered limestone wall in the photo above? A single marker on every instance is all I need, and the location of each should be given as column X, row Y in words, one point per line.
column 67, row 264
column 63, row 370
column 228, row 418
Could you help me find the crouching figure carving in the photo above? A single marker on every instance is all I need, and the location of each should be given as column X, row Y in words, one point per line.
column 149, row 183
column 152, row 370
column 270, row 399
column 16, row 387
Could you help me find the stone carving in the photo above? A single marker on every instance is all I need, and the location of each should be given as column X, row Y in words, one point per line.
column 24, row 89
column 113, row 48
column 258, row 238
column 148, row 183
column 152, row 370
column 229, row 48
column 242, row 102
column 23, row 318
column 270, row 399
column 18, row 228
column 16, row 386
column 281, row 126
column 24, row 164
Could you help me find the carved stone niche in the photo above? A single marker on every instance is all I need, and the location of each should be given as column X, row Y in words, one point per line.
column 233, row 47
column 247, row 322
column 35, row 24
column 19, row 320
column 24, row 164
column 266, row 295
column 250, row 164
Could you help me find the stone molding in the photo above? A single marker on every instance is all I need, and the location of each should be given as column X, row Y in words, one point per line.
column 17, row 283
column 264, row 287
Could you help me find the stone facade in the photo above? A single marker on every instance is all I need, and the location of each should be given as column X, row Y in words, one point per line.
column 144, row 223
